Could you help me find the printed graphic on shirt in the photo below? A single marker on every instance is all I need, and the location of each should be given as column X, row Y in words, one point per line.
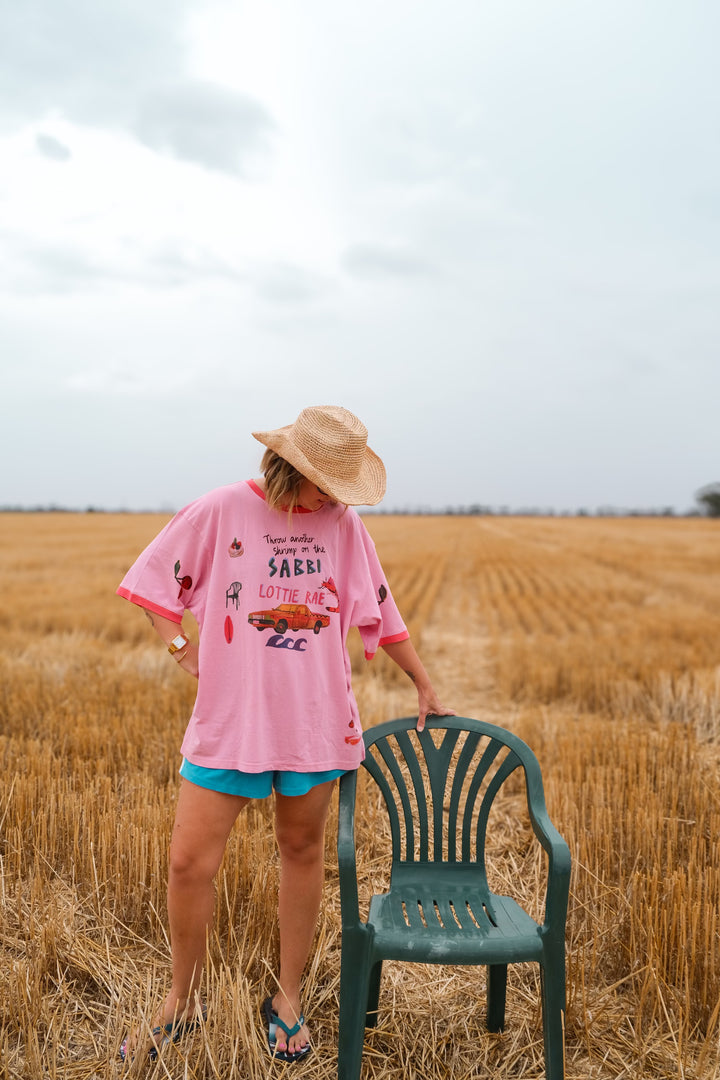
column 289, row 617
column 228, row 629
column 232, row 594
column 185, row 582
column 295, row 594
column 356, row 735
column 289, row 644
column 382, row 593
column 330, row 586
column 236, row 549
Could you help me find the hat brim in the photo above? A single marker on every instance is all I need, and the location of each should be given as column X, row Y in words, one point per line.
column 367, row 489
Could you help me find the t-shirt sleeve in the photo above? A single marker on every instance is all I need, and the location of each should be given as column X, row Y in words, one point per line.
column 375, row 612
column 166, row 578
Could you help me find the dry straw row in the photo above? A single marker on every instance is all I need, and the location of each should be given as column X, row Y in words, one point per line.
column 627, row 732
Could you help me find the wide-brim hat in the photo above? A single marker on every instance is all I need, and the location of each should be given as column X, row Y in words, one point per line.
column 328, row 445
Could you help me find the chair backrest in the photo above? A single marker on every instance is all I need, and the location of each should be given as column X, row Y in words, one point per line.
column 439, row 784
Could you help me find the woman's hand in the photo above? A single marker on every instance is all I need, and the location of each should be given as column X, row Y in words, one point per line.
column 429, row 705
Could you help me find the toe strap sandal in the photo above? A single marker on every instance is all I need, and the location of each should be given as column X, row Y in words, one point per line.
column 165, row 1034
column 274, row 1022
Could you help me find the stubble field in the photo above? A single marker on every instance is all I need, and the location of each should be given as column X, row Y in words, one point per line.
column 596, row 640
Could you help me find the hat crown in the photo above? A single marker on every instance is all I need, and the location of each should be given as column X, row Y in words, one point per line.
column 327, row 444
column 332, row 439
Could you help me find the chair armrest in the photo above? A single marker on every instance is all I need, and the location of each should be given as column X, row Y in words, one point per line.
column 347, row 867
column 558, row 853
column 558, row 877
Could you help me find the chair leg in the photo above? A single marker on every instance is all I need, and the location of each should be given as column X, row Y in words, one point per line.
column 354, row 989
column 552, row 982
column 496, row 991
column 373, row 995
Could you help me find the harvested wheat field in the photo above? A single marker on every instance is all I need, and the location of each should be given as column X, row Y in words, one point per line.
column 596, row 640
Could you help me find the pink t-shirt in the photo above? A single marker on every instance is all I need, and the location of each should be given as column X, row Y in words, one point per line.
column 274, row 601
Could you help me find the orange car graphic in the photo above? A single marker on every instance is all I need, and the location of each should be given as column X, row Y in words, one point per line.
column 289, row 617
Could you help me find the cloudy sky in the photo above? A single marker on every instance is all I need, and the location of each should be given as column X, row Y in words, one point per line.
column 488, row 227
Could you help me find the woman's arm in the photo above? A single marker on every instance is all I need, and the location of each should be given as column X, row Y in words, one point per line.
column 404, row 655
column 167, row 630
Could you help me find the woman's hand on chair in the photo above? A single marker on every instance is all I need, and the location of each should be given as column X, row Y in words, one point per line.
column 430, row 705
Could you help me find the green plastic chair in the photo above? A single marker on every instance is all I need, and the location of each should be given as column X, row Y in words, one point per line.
column 438, row 786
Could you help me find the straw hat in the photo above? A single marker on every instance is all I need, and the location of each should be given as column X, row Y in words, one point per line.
column 328, row 445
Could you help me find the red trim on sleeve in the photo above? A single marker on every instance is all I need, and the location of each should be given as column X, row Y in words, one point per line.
column 402, row 636
column 148, row 605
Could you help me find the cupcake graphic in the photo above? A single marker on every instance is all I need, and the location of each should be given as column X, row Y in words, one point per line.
column 236, row 549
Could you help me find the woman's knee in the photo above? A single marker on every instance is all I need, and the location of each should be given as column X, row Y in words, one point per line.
column 300, row 823
column 300, row 843
column 188, row 865
column 203, row 821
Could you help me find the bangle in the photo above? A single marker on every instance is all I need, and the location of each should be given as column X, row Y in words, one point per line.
column 178, row 657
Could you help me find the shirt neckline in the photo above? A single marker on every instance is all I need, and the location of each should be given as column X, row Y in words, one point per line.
column 298, row 509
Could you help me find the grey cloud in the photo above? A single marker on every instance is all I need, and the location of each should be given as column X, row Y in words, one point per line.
column 34, row 268
column 88, row 61
column 203, row 123
column 179, row 265
column 52, row 148
column 375, row 261
column 286, row 284
column 423, row 141
column 122, row 64
column 58, row 268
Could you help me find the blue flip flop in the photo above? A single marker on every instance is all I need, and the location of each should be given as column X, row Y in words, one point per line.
column 273, row 1022
column 171, row 1033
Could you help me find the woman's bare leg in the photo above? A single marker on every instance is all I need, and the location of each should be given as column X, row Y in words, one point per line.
column 300, row 829
column 203, row 821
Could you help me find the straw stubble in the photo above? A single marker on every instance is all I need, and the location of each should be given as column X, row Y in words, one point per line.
column 595, row 640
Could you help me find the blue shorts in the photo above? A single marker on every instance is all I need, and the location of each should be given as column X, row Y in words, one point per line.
column 255, row 785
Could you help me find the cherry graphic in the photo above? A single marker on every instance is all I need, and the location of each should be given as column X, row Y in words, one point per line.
column 184, row 582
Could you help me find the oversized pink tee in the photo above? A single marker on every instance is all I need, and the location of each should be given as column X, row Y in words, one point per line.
column 274, row 601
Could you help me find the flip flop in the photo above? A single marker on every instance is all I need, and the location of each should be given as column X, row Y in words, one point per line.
column 273, row 1022
column 171, row 1033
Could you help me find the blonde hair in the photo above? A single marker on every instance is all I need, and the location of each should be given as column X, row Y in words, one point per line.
column 282, row 482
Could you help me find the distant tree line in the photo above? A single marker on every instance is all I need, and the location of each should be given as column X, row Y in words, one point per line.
column 54, row 508
column 707, row 499
column 531, row 511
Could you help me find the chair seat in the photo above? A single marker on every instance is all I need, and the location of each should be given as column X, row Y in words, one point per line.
column 446, row 914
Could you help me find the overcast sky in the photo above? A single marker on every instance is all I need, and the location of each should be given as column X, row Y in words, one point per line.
column 488, row 227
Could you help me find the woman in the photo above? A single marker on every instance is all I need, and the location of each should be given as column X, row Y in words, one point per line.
column 275, row 571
